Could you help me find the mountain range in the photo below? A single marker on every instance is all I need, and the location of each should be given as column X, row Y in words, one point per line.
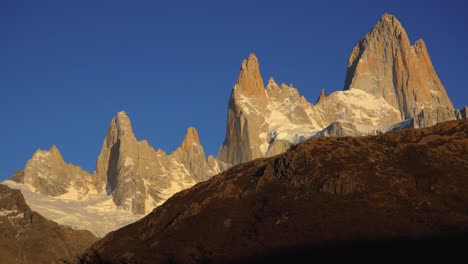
column 372, row 198
column 390, row 85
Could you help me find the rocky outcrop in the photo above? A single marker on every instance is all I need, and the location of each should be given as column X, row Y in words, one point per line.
column 120, row 145
column 409, row 184
column 258, row 129
column 117, row 165
column 138, row 177
column 323, row 95
column 246, row 118
column 385, row 64
column 217, row 165
column 27, row 237
column 258, row 116
column 288, row 110
column 462, row 113
column 192, row 155
column 389, row 85
column 431, row 116
column 278, row 146
column 49, row 174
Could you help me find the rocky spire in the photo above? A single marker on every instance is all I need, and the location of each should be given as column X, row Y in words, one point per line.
column 385, row 64
column 323, row 95
column 246, row 116
column 139, row 177
column 119, row 144
column 191, row 138
column 116, row 166
column 192, row 155
column 250, row 81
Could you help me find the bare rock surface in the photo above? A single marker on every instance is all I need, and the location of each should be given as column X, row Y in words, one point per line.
column 406, row 186
column 28, row 237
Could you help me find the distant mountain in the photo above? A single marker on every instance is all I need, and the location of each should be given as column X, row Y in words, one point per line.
column 130, row 173
column 27, row 237
column 409, row 186
column 390, row 85
column 49, row 174
column 385, row 65
column 141, row 178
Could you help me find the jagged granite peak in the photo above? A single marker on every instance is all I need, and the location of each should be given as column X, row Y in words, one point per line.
column 409, row 184
column 191, row 137
column 385, row 64
column 28, row 237
column 49, row 174
column 137, row 176
column 246, row 116
column 383, row 88
column 123, row 123
column 250, row 81
column 115, row 166
column 192, row 155
column 464, row 112
column 323, row 95
column 271, row 81
column 119, row 145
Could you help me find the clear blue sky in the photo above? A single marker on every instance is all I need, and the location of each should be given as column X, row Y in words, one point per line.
column 67, row 67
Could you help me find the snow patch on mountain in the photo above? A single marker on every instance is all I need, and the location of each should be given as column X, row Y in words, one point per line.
column 97, row 213
column 128, row 162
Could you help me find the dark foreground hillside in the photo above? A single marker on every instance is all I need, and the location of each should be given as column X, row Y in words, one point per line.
column 400, row 194
column 28, row 237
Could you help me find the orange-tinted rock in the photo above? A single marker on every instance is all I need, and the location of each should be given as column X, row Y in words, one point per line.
column 404, row 184
column 250, row 81
column 49, row 174
column 385, row 64
column 323, row 95
column 246, row 116
column 192, row 155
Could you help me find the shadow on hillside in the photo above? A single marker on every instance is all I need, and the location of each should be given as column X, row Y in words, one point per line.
column 446, row 249
column 453, row 247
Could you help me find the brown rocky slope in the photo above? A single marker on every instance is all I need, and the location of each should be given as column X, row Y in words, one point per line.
column 326, row 196
column 27, row 237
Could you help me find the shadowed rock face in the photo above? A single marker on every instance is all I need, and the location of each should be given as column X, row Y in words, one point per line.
column 27, row 237
column 403, row 184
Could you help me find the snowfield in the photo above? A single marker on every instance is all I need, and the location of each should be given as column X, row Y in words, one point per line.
column 97, row 213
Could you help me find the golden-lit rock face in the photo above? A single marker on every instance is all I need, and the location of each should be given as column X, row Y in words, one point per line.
column 410, row 183
column 49, row 174
column 385, row 64
column 192, row 155
column 140, row 177
column 246, row 115
column 250, row 81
